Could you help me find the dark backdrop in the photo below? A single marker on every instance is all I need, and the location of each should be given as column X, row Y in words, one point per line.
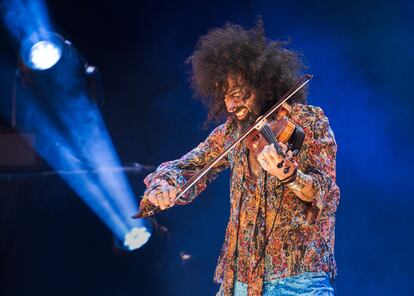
column 361, row 55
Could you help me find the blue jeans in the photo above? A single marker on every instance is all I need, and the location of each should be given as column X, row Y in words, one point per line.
column 306, row 284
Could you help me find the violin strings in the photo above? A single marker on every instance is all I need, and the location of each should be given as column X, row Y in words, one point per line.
column 269, row 135
column 267, row 132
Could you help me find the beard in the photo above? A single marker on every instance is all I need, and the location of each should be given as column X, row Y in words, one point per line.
column 247, row 121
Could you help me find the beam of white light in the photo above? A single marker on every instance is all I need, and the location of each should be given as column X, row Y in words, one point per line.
column 58, row 152
column 89, row 136
column 71, row 132
column 26, row 18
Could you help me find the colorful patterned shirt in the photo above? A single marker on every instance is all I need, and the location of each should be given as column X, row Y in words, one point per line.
column 271, row 232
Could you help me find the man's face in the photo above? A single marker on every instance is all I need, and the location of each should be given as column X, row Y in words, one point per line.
column 240, row 99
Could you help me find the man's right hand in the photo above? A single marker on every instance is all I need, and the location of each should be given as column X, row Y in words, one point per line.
column 162, row 196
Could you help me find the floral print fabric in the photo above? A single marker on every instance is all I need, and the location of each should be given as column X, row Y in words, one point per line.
column 271, row 233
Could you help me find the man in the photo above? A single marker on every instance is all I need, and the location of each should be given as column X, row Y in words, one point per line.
column 280, row 237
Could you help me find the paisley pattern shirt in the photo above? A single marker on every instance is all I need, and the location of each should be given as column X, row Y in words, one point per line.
column 271, row 232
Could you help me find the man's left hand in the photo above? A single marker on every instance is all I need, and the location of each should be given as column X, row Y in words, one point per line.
column 269, row 160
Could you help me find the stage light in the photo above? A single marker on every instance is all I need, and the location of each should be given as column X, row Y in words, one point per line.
column 90, row 69
column 44, row 55
column 42, row 51
column 136, row 238
column 55, row 94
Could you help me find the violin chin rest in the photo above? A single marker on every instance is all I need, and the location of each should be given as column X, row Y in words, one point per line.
column 297, row 138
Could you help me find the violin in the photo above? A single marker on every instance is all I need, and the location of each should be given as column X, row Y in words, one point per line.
column 271, row 127
column 277, row 128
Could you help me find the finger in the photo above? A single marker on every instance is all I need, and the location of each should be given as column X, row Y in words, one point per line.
column 155, row 195
column 152, row 197
column 262, row 160
column 166, row 196
column 172, row 194
column 283, row 146
column 266, row 151
column 163, row 199
column 266, row 148
column 273, row 156
column 261, row 156
column 273, row 150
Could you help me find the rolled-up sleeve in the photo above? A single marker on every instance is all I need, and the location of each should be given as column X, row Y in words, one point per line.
column 318, row 156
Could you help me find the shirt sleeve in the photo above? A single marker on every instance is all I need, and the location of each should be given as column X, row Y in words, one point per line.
column 178, row 172
column 318, row 156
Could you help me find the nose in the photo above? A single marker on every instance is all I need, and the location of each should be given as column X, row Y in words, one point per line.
column 231, row 103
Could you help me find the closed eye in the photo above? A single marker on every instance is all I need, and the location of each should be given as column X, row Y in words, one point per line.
column 236, row 94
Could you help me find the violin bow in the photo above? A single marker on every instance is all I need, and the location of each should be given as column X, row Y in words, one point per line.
column 149, row 209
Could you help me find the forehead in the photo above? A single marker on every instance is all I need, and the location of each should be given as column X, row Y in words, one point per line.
column 233, row 82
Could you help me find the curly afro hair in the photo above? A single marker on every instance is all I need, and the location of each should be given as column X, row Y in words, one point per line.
column 265, row 65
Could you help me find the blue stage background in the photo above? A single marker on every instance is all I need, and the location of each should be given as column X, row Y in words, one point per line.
column 360, row 53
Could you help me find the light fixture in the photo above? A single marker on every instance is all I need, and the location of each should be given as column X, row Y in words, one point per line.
column 136, row 238
column 44, row 55
column 42, row 51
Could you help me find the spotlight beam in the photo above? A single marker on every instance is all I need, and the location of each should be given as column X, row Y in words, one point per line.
column 67, row 123
column 58, row 152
